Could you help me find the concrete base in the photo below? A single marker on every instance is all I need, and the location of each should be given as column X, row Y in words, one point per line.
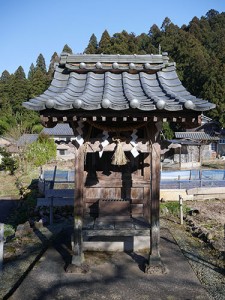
column 117, row 244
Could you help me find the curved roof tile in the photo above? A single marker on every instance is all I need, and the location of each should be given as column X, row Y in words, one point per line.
column 117, row 82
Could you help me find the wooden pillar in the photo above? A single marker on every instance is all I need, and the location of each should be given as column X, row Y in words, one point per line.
column 154, row 265
column 77, row 239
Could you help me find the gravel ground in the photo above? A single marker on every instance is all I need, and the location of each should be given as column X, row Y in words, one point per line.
column 207, row 263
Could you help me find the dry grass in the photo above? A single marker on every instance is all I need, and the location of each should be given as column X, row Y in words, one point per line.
column 9, row 186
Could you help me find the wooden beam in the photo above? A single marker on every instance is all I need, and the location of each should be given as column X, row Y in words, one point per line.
column 94, row 146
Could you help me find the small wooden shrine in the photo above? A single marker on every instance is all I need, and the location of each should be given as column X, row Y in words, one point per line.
column 116, row 105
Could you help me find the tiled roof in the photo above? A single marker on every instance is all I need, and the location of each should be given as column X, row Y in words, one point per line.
column 59, row 130
column 196, row 136
column 116, row 82
column 27, row 139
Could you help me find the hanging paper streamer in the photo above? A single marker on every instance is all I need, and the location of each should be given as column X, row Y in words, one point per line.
column 104, row 142
column 133, row 142
column 119, row 157
column 79, row 130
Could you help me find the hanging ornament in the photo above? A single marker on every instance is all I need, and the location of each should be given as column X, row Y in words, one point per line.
column 119, row 158
column 104, row 142
column 79, row 131
column 133, row 142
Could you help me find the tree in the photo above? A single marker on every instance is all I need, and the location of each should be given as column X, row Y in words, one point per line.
column 144, row 44
column 165, row 24
column 92, row 45
column 54, row 60
column 40, row 64
column 8, row 163
column 31, row 72
column 212, row 13
column 42, row 151
column 105, row 43
column 167, row 131
column 19, row 90
column 38, row 84
column 155, row 35
column 67, row 49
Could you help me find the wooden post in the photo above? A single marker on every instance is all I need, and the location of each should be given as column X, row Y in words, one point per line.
column 77, row 240
column 155, row 265
column 1, row 246
column 200, row 177
column 179, row 183
column 181, row 210
column 180, row 157
column 53, row 178
column 51, row 218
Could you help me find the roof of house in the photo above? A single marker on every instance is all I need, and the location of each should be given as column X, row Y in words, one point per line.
column 116, row 82
column 27, row 139
column 61, row 129
column 200, row 135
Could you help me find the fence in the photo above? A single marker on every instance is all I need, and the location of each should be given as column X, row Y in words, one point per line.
column 185, row 179
column 192, row 179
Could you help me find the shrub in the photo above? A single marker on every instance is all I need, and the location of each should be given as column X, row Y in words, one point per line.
column 8, row 163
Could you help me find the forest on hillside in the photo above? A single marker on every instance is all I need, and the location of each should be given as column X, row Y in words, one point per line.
column 197, row 48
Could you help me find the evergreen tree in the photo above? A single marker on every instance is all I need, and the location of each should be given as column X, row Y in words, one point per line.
column 38, row 84
column 92, row 45
column 54, row 60
column 145, row 45
column 67, row 49
column 105, row 43
column 20, row 89
column 155, row 35
column 5, row 77
column 40, row 64
column 31, row 72
column 6, row 114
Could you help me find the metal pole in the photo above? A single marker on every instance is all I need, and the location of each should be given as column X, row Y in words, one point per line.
column 1, row 246
column 181, row 210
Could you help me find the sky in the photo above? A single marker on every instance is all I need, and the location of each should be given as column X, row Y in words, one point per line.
column 31, row 27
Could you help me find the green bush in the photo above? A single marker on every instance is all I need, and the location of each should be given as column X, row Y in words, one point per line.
column 41, row 151
column 9, row 230
column 8, row 163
